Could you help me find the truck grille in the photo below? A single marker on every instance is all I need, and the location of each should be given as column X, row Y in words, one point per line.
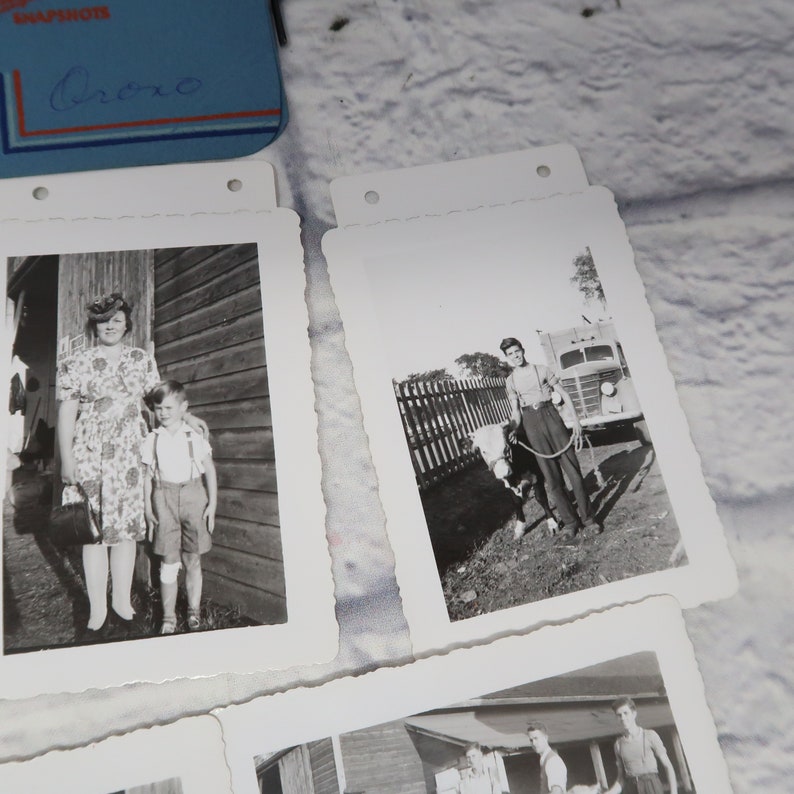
column 585, row 392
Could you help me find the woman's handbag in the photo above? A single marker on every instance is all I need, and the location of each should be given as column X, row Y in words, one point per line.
column 74, row 524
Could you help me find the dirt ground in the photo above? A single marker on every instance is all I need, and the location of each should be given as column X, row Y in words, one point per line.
column 44, row 599
column 483, row 568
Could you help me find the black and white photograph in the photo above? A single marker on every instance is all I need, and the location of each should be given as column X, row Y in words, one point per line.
column 140, row 392
column 162, row 509
column 578, row 733
column 608, row 703
column 532, row 455
column 535, row 466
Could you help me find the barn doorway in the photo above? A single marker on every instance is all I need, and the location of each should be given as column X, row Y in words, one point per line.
column 31, row 323
column 289, row 772
column 270, row 781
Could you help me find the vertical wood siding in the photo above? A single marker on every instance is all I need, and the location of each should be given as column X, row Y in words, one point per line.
column 383, row 759
column 208, row 334
column 296, row 773
column 82, row 277
column 323, row 767
column 170, row 786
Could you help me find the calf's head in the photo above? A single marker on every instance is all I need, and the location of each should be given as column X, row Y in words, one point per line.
column 491, row 442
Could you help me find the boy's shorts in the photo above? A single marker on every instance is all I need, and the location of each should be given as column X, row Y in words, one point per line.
column 179, row 508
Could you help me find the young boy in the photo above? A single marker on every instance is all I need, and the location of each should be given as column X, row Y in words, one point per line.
column 180, row 511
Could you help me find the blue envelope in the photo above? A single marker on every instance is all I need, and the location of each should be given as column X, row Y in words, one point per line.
column 135, row 82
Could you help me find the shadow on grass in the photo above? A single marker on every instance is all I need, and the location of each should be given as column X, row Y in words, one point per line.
column 463, row 511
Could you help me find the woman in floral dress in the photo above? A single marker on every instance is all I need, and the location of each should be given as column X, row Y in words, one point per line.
column 100, row 430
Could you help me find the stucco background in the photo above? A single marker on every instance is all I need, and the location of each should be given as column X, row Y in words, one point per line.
column 683, row 110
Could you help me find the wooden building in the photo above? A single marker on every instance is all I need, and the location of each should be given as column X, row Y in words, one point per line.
column 424, row 754
column 198, row 310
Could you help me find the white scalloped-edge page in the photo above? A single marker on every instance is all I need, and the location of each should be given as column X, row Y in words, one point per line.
column 233, row 259
column 457, row 186
column 186, row 757
column 376, row 722
column 415, row 290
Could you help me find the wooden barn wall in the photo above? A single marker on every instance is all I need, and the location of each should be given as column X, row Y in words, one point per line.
column 295, row 771
column 324, row 770
column 383, row 759
column 208, row 334
column 170, row 786
column 82, row 277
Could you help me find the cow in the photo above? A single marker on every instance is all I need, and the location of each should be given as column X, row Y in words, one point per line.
column 517, row 468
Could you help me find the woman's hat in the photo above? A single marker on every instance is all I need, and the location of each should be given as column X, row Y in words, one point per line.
column 105, row 306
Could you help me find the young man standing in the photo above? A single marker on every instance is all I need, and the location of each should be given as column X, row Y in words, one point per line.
column 478, row 778
column 637, row 751
column 553, row 772
column 529, row 389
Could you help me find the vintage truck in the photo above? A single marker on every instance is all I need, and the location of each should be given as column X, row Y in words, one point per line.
column 591, row 366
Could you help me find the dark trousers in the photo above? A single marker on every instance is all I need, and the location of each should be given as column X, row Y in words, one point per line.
column 644, row 784
column 546, row 432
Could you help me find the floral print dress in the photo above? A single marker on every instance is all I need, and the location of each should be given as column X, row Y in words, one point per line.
column 108, row 435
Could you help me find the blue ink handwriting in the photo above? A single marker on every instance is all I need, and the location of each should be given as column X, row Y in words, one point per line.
column 74, row 89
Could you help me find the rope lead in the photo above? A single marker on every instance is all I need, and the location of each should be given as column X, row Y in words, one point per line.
column 599, row 477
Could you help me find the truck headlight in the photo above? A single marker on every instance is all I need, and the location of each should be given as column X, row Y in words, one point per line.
column 607, row 388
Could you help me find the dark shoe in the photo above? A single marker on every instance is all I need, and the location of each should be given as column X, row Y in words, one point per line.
column 90, row 636
column 120, row 628
column 592, row 527
column 566, row 537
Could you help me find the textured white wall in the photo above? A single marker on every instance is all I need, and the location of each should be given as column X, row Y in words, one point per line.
column 683, row 110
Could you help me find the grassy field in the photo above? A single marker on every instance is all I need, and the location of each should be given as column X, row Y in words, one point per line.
column 483, row 567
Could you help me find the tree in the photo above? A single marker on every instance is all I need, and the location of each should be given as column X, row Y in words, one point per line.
column 430, row 374
column 482, row 365
column 586, row 278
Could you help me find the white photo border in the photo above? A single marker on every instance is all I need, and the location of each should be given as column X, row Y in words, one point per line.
column 591, row 216
column 288, row 719
column 185, row 206
column 190, row 750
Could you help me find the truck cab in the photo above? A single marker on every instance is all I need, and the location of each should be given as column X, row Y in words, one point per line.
column 590, row 364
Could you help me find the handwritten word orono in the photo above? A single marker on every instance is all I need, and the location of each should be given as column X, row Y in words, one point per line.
column 75, row 89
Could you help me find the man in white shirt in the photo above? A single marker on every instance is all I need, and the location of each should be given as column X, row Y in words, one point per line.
column 553, row 772
column 478, row 778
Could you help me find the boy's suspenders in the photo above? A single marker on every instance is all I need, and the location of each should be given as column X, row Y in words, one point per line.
column 193, row 463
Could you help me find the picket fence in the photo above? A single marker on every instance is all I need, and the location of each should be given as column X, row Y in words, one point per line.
column 437, row 415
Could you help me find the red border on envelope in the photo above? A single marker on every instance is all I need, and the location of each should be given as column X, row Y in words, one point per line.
column 24, row 133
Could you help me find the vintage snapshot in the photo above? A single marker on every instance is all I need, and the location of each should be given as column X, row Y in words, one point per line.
column 151, row 429
column 488, row 723
column 524, row 423
column 160, row 760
